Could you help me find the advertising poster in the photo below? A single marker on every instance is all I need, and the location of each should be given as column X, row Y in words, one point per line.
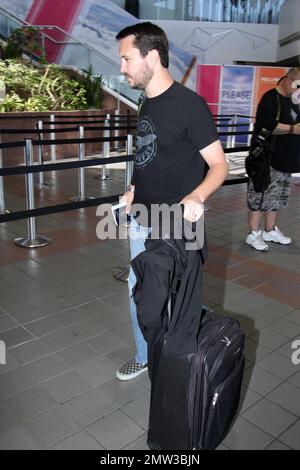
column 266, row 78
column 237, row 94
column 61, row 14
column 208, row 85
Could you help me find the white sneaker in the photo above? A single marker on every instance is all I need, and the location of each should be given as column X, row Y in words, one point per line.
column 276, row 236
column 255, row 240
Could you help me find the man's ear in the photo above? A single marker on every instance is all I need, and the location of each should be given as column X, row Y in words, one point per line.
column 153, row 57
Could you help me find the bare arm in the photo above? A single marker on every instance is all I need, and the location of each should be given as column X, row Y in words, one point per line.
column 286, row 129
column 218, row 169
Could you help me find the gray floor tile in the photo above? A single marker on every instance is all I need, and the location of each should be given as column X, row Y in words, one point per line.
column 16, row 336
column 247, row 399
column 29, row 314
column 268, row 339
column 115, row 430
column 138, row 444
column 260, row 380
column 7, row 419
column 29, row 351
column 30, row 403
column 107, row 343
column 77, row 354
column 117, row 300
column 7, row 322
column 295, row 379
column 278, row 365
column 70, row 316
column 292, row 436
column 277, row 445
column 269, row 417
column 14, row 382
column 52, row 426
column 78, row 298
column 285, row 328
column 255, row 351
column 43, row 327
column 18, row 438
column 60, row 339
column 246, row 436
column 125, row 332
column 90, row 406
column 46, row 368
column 294, row 316
column 287, row 396
column 286, row 350
column 97, row 371
column 66, row 386
column 138, row 411
column 79, row 441
column 11, row 364
column 88, row 329
column 122, row 392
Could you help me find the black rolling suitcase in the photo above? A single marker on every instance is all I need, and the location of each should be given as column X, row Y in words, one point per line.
column 194, row 397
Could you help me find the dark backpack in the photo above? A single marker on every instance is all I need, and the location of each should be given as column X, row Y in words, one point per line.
column 257, row 163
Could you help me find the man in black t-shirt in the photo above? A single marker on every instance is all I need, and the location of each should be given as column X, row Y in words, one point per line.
column 175, row 136
column 277, row 113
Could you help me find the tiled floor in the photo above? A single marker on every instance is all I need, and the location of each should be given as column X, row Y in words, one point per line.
column 65, row 321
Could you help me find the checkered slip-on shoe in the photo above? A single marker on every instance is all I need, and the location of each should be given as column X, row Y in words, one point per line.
column 130, row 370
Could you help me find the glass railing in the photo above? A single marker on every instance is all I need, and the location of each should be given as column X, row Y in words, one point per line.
column 235, row 11
column 64, row 49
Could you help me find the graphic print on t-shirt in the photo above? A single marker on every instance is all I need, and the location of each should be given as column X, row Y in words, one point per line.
column 146, row 142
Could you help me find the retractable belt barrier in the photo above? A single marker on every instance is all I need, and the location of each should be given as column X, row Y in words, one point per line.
column 33, row 240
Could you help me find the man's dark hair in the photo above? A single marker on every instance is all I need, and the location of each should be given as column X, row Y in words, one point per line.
column 148, row 36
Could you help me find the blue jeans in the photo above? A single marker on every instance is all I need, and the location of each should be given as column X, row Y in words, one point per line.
column 137, row 237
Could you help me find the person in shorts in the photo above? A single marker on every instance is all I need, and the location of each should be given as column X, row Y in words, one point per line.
column 276, row 112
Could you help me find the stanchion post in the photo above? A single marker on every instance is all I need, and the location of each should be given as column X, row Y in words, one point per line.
column 105, row 151
column 81, row 171
column 251, row 127
column 129, row 165
column 3, row 210
column 52, row 137
column 117, row 132
column 234, row 122
column 229, row 129
column 32, row 240
column 121, row 273
column 41, row 183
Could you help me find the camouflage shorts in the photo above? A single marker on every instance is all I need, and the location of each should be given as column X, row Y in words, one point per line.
column 276, row 195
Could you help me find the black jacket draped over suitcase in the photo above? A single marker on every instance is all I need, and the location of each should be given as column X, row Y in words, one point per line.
column 183, row 414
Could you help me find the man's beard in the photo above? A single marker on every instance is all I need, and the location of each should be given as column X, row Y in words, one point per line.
column 142, row 82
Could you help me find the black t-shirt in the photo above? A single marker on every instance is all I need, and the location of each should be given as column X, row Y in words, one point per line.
column 172, row 128
column 285, row 149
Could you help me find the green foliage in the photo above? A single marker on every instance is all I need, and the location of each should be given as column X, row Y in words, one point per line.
column 26, row 39
column 93, row 88
column 39, row 89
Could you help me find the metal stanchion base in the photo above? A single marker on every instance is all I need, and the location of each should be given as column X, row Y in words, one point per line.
column 80, row 199
column 103, row 177
column 41, row 186
column 36, row 242
column 121, row 273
